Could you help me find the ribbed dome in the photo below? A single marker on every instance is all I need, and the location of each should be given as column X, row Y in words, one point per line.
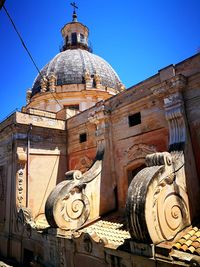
column 70, row 66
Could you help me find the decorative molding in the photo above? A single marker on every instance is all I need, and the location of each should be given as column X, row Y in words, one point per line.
column 170, row 86
column 84, row 164
column 99, row 116
column 88, row 79
column 20, row 188
column 28, row 96
column 68, row 206
column 89, row 244
column 20, row 179
column 52, row 82
column 97, row 80
column 25, row 221
column 174, row 112
column 157, row 203
column 44, row 84
column 121, row 87
column 139, row 151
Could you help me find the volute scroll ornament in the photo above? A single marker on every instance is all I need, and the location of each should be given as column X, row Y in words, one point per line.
column 157, row 202
column 68, row 205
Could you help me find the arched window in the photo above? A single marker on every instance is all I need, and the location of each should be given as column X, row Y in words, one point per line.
column 74, row 38
column 66, row 40
column 82, row 38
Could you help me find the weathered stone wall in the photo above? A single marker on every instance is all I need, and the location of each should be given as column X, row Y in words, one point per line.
column 130, row 145
column 32, row 162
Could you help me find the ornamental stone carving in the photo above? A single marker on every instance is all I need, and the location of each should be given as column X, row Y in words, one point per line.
column 170, row 86
column 121, row 86
column 97, row 80
column 99, row 116
column 24, row 220
column 69, row 204
column 174, row 112
column 157, row 202
column 52, row 82
column 88, row 79
column 84, row 163
column 20, row 177
column 139, row 151
column 28, row 96
column 43, row 84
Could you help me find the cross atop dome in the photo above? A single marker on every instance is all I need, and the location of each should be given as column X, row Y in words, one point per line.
column 73, row 4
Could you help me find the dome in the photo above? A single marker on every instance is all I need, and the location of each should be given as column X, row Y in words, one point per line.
column 70, row 67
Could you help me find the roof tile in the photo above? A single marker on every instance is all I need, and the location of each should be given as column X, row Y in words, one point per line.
column 190, row 242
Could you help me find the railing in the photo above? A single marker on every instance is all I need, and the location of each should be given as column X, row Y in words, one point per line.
column 78, row 44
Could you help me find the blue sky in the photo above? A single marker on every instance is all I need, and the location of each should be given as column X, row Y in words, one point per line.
column 136, row 37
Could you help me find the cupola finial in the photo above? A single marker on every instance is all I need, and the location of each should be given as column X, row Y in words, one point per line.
column 74, row 17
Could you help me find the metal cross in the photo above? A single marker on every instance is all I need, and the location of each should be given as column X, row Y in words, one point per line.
column 74, row 6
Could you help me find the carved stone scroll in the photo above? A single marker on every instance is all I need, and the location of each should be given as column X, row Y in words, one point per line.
column 157, row 203
column 69, row 204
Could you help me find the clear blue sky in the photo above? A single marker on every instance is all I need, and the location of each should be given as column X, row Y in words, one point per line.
column 136, row 37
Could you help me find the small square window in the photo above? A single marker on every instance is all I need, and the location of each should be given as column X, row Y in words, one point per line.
column 134, row 119
column 83, row 137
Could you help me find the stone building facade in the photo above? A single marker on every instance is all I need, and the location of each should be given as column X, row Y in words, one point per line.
column 93, row 173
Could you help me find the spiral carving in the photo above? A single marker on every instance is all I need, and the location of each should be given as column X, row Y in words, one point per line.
column 73, row 175
column 75, row 207
column 67, row 206
column 170, row 211
column 157, row 203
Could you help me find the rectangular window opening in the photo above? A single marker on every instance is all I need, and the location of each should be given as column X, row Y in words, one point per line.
column 71, row 110
column 134, row 119
column 82, row 38
column 83, row 137
column 74, row 38
column 73, row 107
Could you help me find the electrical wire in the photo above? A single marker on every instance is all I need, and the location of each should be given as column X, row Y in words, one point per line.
column 29, row 54
column 20, row 37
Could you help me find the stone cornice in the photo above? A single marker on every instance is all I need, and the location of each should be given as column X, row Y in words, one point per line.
column 173, row 85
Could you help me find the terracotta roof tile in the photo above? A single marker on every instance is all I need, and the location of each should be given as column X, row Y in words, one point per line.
column 108, row 231
column 190, row 242
column 197, row 233
column 196, row 244
column 184, row 247
column 191, row 249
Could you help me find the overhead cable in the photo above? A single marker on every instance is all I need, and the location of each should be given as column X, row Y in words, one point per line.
column 29, row 54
